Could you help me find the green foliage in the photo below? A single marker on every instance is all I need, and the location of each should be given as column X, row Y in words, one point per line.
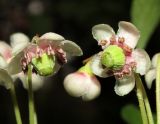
column 131, row 114
column 145, row 15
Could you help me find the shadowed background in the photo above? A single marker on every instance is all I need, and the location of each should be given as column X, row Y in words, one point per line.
column 73, row 20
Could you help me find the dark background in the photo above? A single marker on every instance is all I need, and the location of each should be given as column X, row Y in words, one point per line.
column 72, row 19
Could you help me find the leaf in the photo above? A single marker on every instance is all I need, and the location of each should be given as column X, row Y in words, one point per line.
column 131, row 114
column 145, row 15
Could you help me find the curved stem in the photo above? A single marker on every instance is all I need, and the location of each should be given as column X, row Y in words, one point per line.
column 158, row 89
column 143, row 102
column 32, row 113
column 15, row 104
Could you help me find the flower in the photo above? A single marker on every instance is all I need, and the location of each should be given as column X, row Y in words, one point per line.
column 18, row 40
column 150, row 76
column 46, row 54
column 82, row 83
column 119, row 58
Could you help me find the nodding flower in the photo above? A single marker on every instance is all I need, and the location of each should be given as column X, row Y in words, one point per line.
column 119, row 57
column 46, row 54
column 150, row 76
column 83, row 83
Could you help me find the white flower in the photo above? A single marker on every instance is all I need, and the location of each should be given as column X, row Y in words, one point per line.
column 46, row 54
column 150, row 76
column 82, row 84
column 119, row 58
column 18, row 42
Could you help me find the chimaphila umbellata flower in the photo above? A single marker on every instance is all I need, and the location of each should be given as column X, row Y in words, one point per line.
column 46, row 54
column 82, row 83
column 119, row 58
column 150, row 76
column 18, row 40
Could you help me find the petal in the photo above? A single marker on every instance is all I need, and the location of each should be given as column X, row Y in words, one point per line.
column 5, row 50
column 97, row 67
column 75, row 84
column 71, row 48
column 94, row 89
column 154, row 60
column 150, row 76
column 37, row 81
column 3, row 63
column 5, row 79
column 143, row 62
column 129, row 32
column 52, row 36
column 14, row 66
column 102, row 32
column 18, row 42
column 124, row 85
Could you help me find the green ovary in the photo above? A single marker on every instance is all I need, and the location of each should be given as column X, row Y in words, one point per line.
column 44, row 65
column 113, row 57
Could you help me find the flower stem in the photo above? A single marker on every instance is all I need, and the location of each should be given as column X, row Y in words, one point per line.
column 145, row 108
column 158, row 89
column 15, row 104
column 32, row 113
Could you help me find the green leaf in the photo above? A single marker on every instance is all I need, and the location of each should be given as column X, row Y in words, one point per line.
column 131, row 114
column 145, row 15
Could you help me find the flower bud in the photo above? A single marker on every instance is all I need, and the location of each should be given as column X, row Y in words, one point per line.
column 113, row 57
column 44, row 65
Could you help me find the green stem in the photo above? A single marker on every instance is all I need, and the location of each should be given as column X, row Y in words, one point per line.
column 143, row 102
column 32, row 113
column 15, row 104
column 158, row 90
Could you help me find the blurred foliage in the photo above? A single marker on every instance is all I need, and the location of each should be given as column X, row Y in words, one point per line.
column 145, row 15
column 131, row 114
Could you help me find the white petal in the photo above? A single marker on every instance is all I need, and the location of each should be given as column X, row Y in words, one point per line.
column 5, row 79
column 142, row 60
column 5, row 50
column 94, row 89
column 18, row 42
column 37, row 81
column 75, row 84
column 150, row 76
column 124, row 85
column 71, row 48
column 154, row 60
column 52, row 36
column 97, row 68
column 3, row 63
column 129, row 32
column 102, row 32
column 14, row 66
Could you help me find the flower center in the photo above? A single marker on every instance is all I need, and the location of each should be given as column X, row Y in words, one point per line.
column 44, row 65
column 113, row 57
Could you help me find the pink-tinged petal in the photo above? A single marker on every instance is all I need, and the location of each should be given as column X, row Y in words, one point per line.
column 129, row 32
column 37, row 81
column 124, row 85
column 102, row 32
column 52, row 36
column 80, row 84
column 71, row 48
column 5, row 79
column 154, row 60
column 150, row 76
column 94, row 89
column 3, row 62
column 5, row 50
column 97, row 68
column 143, row 62
column 18, row 42
column 14, row 66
